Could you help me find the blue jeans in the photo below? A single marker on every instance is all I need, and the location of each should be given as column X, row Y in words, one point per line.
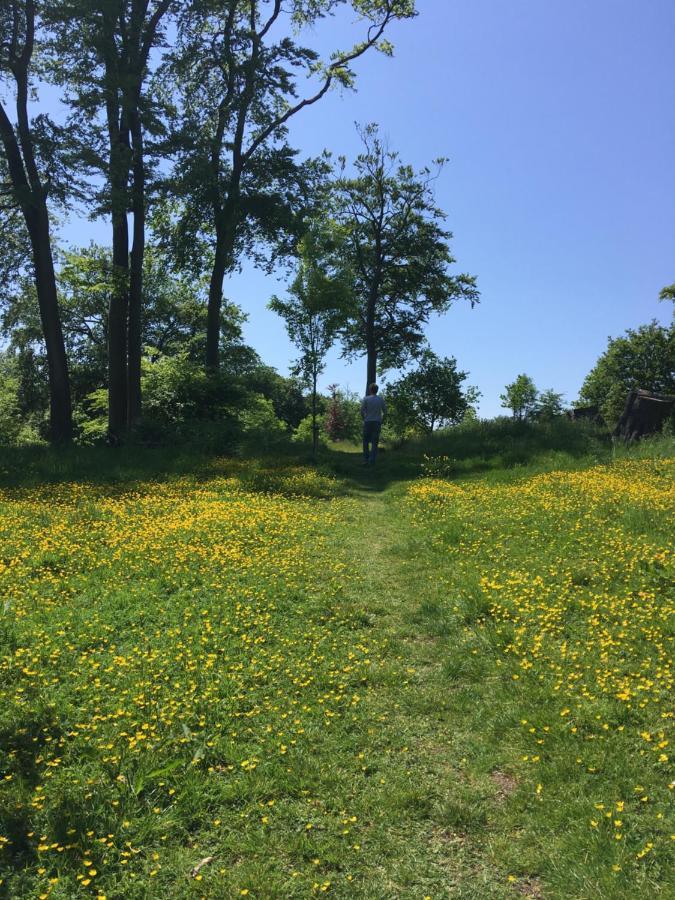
column 371, row 436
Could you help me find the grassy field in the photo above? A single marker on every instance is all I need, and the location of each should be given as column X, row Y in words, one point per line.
column 445, row 677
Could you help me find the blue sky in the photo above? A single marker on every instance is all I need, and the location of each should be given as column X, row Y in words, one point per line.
column 558, row 121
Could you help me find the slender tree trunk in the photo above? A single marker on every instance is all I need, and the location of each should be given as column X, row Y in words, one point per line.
column 315, row 429
column 136, row 275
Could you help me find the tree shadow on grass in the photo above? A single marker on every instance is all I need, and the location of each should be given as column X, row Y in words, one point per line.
column 503, row 447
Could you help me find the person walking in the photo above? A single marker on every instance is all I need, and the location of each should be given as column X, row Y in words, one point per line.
column 373, row 411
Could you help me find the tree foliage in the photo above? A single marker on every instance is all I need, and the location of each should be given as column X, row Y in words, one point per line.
column 549, row 405
column 520, row 397
column 641, row 358
column 313, row 312
column 239, row 83
column 431, row 396
column 342, row 420
column 395, row 249
column 174, row 324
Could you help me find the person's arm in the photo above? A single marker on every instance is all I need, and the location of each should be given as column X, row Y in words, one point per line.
column 363, row 408
column 384, row 409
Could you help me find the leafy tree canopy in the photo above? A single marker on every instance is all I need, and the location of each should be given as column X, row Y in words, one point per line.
column 641, row 358
column 395, row 249
column 549, row 405
column 313, row 311
column 174, row 318
column 431, row 396
column 520, row 397
column 315, row 306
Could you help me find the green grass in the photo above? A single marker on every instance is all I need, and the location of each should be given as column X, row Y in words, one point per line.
column 306, row 676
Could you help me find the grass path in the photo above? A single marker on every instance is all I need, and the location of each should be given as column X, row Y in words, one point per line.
column 429, row 809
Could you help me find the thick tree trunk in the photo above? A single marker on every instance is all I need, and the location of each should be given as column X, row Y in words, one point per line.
column 371, row 350
column 60, row 409
column 31, row 199
column 136, row 276
column 119, row 163
column 220, row 263
column 371, row 367
column 117, row 331
column 119, row 297
column 226, row 233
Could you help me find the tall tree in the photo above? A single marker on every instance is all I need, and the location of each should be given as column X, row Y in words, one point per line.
column 239, row 90
column 108, row 46
column 397, row 251
column 313, row 313
column 28, row 147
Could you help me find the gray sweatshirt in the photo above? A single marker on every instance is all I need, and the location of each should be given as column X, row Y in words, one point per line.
column 373, row 408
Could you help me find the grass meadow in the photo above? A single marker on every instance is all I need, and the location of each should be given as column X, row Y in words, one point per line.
column 447, row 677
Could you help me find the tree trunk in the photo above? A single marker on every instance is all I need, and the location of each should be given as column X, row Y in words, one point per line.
column 60, row 409
column 125, row 46
column 226, row 233
column 220, row 262
column 119, row 297
column 136, row 275
column 371, row 307
column 371, row 350
column 31, row 198
column 315, row 429
column 371, row 367
column 117, row 330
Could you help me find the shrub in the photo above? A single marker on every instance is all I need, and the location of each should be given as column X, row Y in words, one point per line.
column 342, row 421
column 303, row 433
column 260, row 426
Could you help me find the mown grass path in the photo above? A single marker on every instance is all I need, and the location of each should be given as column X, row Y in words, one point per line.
column 432, row 814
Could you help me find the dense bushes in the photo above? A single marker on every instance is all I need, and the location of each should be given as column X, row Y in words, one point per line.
column 505, row 443
column 245, row 403
column 22, row 414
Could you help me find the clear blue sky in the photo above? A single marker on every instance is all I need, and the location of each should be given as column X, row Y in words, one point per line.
column 558, row 119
